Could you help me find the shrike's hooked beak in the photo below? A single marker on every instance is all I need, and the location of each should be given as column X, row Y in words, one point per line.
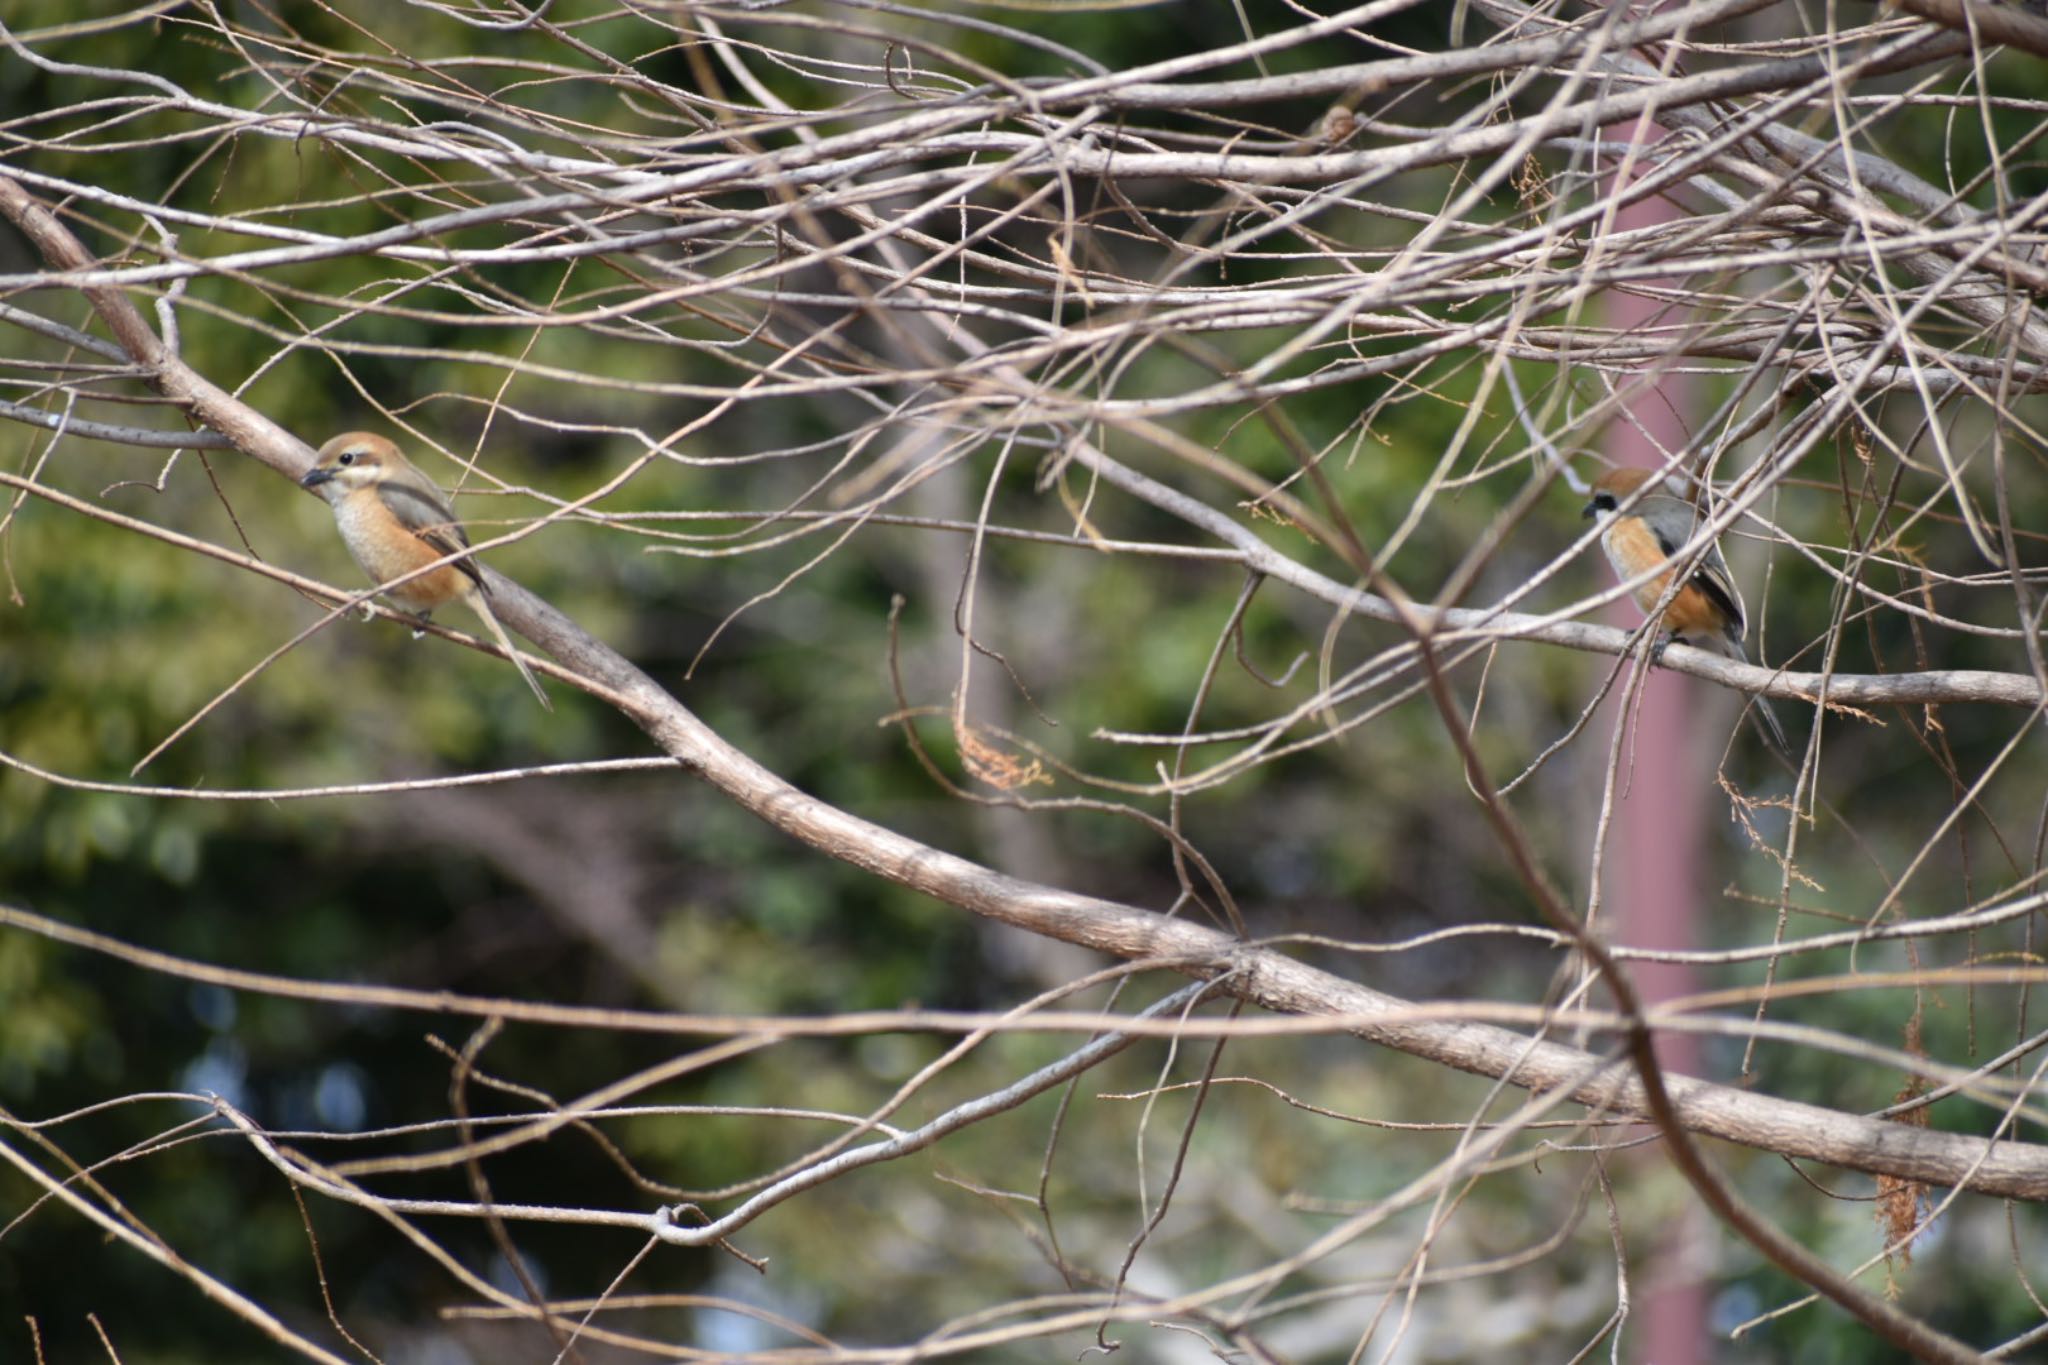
column 315, row 477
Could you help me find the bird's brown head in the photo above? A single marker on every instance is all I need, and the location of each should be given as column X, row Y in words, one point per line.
column 1614, row 488
column 350, row 461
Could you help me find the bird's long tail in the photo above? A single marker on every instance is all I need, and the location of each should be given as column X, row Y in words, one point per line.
column 1760, row 706
column 482, row 604
column 1767, row 721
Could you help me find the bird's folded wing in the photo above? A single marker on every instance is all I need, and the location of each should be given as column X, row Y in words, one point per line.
column 1711, row 578
column 430, row 520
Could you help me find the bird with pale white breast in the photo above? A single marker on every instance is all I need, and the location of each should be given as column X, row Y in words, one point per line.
column 1642, row 535
column 395, row 522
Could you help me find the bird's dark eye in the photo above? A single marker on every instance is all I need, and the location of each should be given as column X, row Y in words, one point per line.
column 1604, row 501
column 349, row 457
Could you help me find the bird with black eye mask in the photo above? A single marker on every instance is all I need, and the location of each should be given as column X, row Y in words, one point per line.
column 1642, row 533
column 395, row 520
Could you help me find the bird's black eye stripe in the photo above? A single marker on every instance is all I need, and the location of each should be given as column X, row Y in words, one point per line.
column 1605, row 502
